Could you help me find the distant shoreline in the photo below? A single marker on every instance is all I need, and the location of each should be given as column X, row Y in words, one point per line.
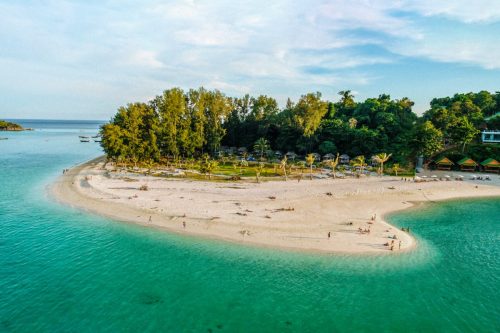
column 288, row 215
column 6, row 126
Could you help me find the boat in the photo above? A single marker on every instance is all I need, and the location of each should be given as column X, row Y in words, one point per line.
column 96, row 136
column 84, row 140
column 83, row 137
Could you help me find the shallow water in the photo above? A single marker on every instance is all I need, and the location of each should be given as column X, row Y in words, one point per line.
column 65, row 270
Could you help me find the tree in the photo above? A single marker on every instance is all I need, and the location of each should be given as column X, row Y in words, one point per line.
column 333, row 164
column 427, row 139
column 308, row 113
column 396, row 168
column 283, row 165
column 359, row 161
column 261, row 146
column 208, row 166
column 462, row 131
column 327, row 147
column 381, row 159
column 217, row 108
column 310, row 161
column 258, row 171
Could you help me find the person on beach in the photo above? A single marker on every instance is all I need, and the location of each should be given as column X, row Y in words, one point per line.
column 150, row 219
column 400, row 245
column 184, row 224
column 329, row 234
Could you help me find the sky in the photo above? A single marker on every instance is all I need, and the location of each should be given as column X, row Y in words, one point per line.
column 84, row 59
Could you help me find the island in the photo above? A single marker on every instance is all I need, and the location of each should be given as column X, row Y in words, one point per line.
column 12, row 127
column 314, row 176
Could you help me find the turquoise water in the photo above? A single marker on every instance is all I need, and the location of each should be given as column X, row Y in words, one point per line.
column 62, row 270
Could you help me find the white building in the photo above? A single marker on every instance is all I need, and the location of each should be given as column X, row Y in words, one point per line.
column 490, row 136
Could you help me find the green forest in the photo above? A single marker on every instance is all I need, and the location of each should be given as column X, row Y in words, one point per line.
column 198, row 122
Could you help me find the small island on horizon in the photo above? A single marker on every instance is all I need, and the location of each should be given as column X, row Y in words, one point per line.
column 12, row 127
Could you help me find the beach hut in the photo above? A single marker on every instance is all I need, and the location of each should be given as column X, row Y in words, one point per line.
column 328, row 156
column 344, row 159
column 317, row 157
column 291, row 155
column 467, row 164
column 491, row 165
column 444, row 164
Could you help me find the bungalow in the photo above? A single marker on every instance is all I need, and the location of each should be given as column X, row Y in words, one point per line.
column 444, row 163
column 329, row 156
column 467, row 164
column 491, row 165
column 291, row 155
column 344, row 159
column 317, row 157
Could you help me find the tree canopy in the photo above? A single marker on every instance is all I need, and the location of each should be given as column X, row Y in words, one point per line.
column 191, row 123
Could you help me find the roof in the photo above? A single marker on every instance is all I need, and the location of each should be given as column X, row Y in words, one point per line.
column 444, row 161
column 490, row 162
column 467, row 162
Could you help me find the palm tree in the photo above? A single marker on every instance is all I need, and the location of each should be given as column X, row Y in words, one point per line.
column 211, row 165
column 310, row 160
column 333, row 164
column 243, row 165
column 258, row 171
column 261, row 146
column 381, row 159
column 359, row 161
column 396, row 168
column 283, row 166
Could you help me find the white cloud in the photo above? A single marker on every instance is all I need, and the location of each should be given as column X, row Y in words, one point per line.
column 463, row 10
column 282, row 47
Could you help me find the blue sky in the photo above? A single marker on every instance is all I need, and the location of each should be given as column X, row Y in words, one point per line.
column 82, row 60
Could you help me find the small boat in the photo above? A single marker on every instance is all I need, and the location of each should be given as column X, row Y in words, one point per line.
column 97, row 140
column 84, row 140
column 83, row 137
column 96, row 136
column 4, row 138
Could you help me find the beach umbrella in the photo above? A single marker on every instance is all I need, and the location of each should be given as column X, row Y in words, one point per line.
column 434, row 176
column 447, row 176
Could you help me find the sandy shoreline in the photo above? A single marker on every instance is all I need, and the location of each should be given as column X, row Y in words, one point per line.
column 289, row 215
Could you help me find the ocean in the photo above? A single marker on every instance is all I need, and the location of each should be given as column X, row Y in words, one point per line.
column 64, row 270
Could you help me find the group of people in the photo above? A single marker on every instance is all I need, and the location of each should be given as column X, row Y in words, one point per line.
column 392, row 244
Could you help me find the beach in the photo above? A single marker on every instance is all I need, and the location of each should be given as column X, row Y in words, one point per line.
column 320, row 215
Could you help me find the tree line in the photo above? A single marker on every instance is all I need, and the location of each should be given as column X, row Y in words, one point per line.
column 191, row 123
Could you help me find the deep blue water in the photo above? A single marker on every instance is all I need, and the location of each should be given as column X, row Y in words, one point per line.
column 62, row 270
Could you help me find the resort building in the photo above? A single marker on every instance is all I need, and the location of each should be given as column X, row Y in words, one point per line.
column 490, row 136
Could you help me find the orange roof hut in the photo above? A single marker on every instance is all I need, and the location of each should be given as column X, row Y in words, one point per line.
column 444, row 163
column 491, row 165
column 467, row 164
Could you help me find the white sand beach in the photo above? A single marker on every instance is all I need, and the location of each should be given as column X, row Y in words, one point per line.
column 282, row 214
